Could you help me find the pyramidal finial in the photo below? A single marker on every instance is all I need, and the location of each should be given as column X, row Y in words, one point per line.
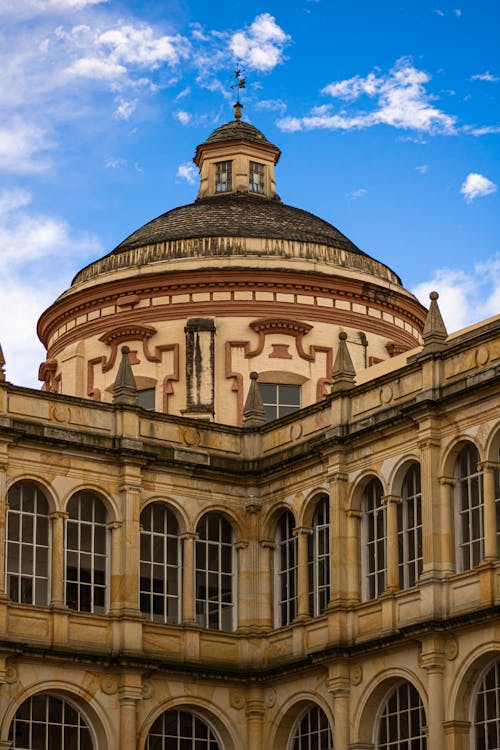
column 434, row 333
column 343, row 370
column 125, row 388
column 2, row 365
column 254, row 413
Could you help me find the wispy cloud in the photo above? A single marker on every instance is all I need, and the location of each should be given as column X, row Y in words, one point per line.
column 487, row 76
column 422, row 168
column 401, row 101
column 477, row 186
column 26, row 8
column 359, row 193
column 21, row 147
column 465, row 296
column 188, row 172
column 261, row 46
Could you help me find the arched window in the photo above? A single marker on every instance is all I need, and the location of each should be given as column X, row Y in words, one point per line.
column 47, row 722
column 215, row 573
column 181, row 730
column 469, row 509
column 497, row 506
column 86, row 553
column 319, row 558
column 402, row 722
column 286, row 570
column 27, row 548
column 410, row 529
column 487, row 711
column 159, row 566
column 312, row 731
column 374, row 538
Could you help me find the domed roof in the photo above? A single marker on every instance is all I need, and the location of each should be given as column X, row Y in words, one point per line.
column 238, row 216
column 236, row 130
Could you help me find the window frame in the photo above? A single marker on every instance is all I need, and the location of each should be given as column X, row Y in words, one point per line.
column 277, row 404
column 317, row 560
column 311, row 734
column 200, row 573
column 81, row 585
column 285, row 578
column 152, row 535
column 410, row 534
column 49, row 719
column 469, row 552
column 371, row 540
column 221, row 185
column 196, row 717
column 391, row 743
column 256, row 168
column 478, row 691
column 36, row 581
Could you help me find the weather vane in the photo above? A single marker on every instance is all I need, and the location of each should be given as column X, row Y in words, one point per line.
column 239, row 82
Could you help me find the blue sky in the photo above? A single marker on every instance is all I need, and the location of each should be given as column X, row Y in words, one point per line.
column 387, row 115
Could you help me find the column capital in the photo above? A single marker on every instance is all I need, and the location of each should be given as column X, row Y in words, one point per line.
column 58, row 514
column 267, row 544
column 302, row 530
column 447, row 481
column 241, row 545
column 338, row 686
column 112, row 525
column 351, row 513
column 388, row 499
column 488, row 465
column 337, row 476
column 189, row 536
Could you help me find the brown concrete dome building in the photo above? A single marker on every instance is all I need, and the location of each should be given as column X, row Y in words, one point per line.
column 257, row 502
column 237, row 279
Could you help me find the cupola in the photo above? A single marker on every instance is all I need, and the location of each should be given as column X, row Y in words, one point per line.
column 237, row 158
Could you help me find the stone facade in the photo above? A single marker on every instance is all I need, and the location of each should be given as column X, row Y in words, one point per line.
column 328, row 579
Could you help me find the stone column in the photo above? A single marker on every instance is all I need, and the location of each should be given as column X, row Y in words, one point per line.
column 437, row 539
column 130, row 541
column 302, row 533
column 241, row 586
column 490, row 513
column 391, row 503
column 432, row 660
column 267, row 569
column 255, row 716
column 447, row 499
column 188, row 551
column 57, row 594
column 339, row 687
column 339, row 548
column 457, row 735
column 353, row 554
column 115, row 569
column 129, row 693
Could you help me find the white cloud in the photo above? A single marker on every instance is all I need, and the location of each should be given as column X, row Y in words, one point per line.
column 188, row 172
column 359, row 193
column 458, row 12
column 26, row 8
column 476, row 186
column 185, row 92
column 487, row 76
column 32, row 243
column 422, row 168
column 20, row 147
column 96, row 68
column 271, row 105
column 261, row 46
column 439, row 12
column 402, row 102
column 113, row 163
column 125, row 109
column 465, row 297
column 484, row 130
column 183, row 117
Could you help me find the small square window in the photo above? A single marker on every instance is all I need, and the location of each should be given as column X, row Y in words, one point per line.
column 146, row 398
column 279, row 400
